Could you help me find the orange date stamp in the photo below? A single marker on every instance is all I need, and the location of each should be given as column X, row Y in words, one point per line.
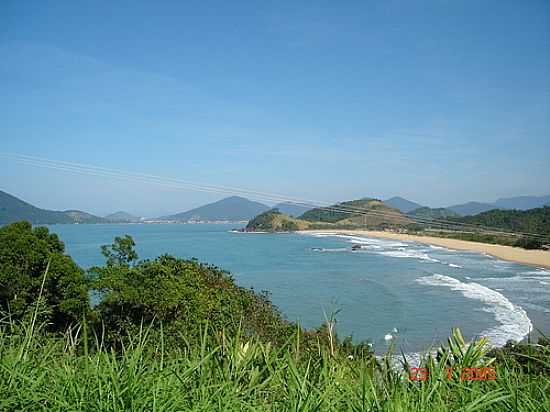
column 466, row 374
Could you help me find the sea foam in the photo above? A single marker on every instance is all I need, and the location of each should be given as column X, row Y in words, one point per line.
column 513, row 320
column 414, row 254
column 384, row 247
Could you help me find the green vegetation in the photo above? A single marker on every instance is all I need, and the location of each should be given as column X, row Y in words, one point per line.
column 524, row 242
column 503, row 227
column 25, row 254
column 356, row 212
column 363, row 213
column 172, row 334
column 275, row 221
column 432, row 213
column 526, row 221
column 182, row 295
column 231, row 373
column 485, row 228
column 378, row 215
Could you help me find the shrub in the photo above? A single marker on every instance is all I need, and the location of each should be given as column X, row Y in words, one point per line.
column 25, row 253
column 182, row 295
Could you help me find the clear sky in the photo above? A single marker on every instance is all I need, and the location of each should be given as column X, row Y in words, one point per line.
column 437, row 101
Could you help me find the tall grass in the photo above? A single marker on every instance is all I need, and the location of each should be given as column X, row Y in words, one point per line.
column 234, row 373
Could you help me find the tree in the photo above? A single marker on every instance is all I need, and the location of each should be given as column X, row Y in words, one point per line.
column 121, row 252
column 24, row 255
column 184, row 295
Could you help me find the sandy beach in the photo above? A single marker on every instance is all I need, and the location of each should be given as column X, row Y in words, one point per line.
column 540, row 258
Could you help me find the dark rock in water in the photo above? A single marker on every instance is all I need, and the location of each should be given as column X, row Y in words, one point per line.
column 356, row 247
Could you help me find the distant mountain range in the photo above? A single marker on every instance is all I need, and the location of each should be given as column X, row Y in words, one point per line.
column 292, row 209
column 518, row 202
column 237, row 208
column 122, row 217
column 13, row 209
column 432, row 213
column 402, row 204
column 469, row 208
column 232, row 208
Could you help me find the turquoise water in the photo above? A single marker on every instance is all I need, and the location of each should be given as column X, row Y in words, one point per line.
column 385, row 291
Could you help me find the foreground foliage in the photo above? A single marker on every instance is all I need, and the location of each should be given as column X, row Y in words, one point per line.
column 25, row 253
column 174, row 335
column 234, row 373
column 182, row 295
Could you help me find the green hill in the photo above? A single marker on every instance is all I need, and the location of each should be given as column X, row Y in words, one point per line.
column 13, row 209
column 526, row 221
column 275, row 221
column 370, row 213
column 432, row 213
column 122, row 217
column 529, row 229
column 363, row 212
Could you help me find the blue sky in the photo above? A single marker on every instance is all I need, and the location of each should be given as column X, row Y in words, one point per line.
column 437, row 101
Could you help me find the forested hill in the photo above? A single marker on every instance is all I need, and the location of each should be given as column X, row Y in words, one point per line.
column 432, row 213
column 122, row 217
column 367, row 212
column 275, row 221
column 526, row 221
column 362, row 213
column 13, row 209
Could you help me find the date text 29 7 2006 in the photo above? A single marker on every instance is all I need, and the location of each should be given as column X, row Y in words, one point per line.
column 466, row 374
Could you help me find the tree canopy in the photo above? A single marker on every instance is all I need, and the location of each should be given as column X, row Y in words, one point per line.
column 184, row 295
column 25, row 253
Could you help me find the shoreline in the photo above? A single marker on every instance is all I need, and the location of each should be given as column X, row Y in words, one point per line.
column 537, row 258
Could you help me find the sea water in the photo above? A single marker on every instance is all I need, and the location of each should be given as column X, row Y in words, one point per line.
column 385, row 291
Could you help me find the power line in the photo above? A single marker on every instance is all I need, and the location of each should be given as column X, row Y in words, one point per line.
column 182, row 184
column 157, row 180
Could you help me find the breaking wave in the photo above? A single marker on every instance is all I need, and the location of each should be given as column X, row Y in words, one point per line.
column 384, row 247
column 513, row 320
column 414, row 254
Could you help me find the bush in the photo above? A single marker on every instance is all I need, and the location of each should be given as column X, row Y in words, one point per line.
column 528, row 243
column 182, row 295
column 25, row 253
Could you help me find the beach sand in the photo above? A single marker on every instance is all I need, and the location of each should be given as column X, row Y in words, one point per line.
column 540, row 258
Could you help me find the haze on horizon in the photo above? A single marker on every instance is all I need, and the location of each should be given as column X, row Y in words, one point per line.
column 439, row 102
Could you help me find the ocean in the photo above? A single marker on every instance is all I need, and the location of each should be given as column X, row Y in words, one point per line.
column 384, row 291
